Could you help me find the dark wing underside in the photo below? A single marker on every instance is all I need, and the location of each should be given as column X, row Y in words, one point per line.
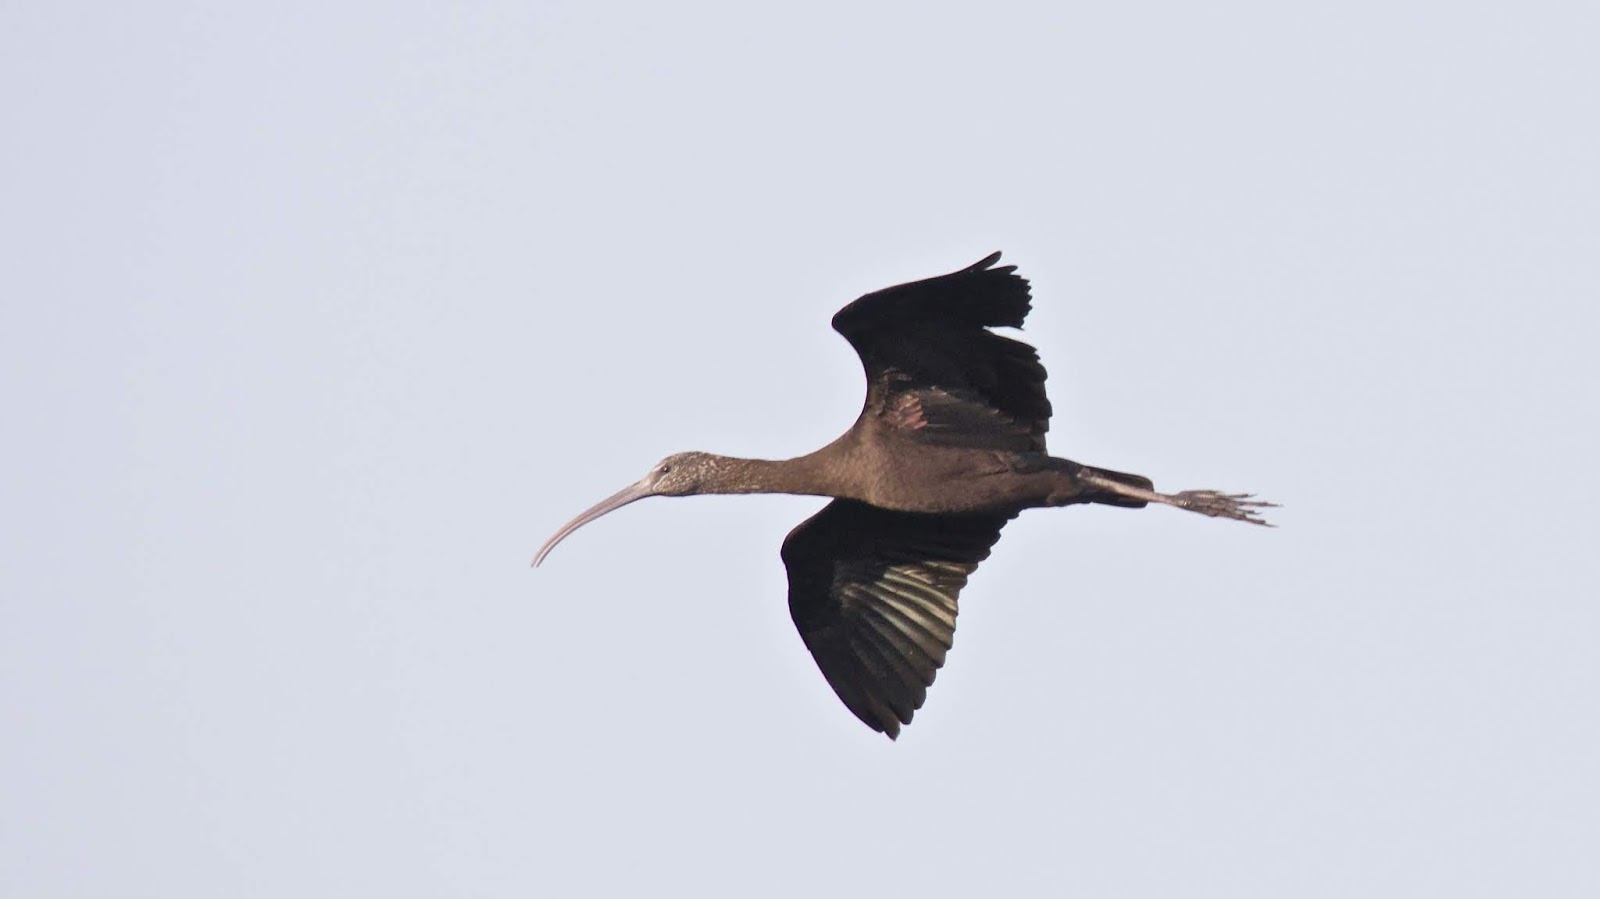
column 936, row 374
column 873, row 593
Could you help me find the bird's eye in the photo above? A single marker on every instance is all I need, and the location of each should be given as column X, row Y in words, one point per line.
column 665, row 469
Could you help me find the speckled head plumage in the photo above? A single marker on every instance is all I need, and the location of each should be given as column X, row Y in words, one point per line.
column 681, row 474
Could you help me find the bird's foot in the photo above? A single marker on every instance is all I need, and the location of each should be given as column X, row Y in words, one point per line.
column 1238, row 506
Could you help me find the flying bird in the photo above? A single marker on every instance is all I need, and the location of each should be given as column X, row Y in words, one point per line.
column 949, row 446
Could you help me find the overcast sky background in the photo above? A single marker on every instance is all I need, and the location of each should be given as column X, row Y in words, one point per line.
column 317, row 319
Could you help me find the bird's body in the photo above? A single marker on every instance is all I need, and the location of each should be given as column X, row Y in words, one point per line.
column 949, row 446
column 893, row 473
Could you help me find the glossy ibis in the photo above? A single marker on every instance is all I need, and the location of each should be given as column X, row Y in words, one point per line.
column 948, row 448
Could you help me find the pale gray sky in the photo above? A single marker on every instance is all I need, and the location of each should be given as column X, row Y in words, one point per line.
column 315, row 320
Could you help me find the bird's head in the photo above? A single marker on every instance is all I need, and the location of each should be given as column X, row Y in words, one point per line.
column 680, row 474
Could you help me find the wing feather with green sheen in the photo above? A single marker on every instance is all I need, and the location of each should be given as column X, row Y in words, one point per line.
column 937, row 374
column 873, row 594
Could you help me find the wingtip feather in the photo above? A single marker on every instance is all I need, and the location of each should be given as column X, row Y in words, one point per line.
column 986, row 262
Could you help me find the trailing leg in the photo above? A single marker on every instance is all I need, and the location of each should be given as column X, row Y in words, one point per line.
column 1238, row 506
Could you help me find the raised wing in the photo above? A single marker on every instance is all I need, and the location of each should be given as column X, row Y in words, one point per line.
column 935, row 373
column 873, row 593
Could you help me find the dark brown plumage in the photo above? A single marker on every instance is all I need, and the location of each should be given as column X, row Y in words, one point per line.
column 949, row 446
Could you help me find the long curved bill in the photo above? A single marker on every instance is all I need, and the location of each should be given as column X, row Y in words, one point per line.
column 611, row 503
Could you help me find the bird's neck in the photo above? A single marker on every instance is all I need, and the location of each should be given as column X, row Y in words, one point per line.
column 804, row 475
